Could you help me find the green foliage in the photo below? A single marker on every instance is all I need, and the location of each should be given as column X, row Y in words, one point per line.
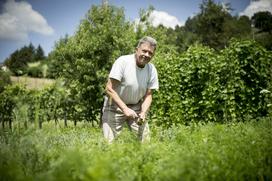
column 249, row 72
column 8, row 102
column 203, row 85
column 237, row 151
column 18, row 60
column 34, row 71
column 86, row 57
column 243, row 27
column 213, row 26
column 263, row 21
column 38, row 69
column 56, row 58
column 30, row 108
column 164, row 104
column 265, row 39
column 199, row 84
column 210, row 24
column 39, row 54
column 4, row 80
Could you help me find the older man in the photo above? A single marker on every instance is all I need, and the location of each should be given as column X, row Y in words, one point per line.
column 129, row 92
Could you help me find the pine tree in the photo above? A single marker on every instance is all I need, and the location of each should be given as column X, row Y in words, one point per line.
column 39, row 54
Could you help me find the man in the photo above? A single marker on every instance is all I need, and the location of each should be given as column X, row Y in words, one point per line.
column 129, row 92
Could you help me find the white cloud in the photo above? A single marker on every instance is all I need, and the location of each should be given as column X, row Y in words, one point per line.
column 18, row 19
column 163, row 18
column 160, row 17
column 257, row 6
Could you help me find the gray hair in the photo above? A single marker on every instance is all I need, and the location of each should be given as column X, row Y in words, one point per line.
column 148, row 39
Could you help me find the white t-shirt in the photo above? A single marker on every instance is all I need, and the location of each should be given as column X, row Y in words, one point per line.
column 134, row 80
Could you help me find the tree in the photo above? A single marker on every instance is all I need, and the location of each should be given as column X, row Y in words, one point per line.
column 243, row 26
column 186, row 35
column 263, row 21
column 86, row 58
column 210, row 25
column 214, row 26
column 39, row 54
column 17, row 62
column 29, row 51
column 262, row 32
column 55, row 58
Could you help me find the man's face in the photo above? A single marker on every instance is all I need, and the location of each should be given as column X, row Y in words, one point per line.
column 144, row 53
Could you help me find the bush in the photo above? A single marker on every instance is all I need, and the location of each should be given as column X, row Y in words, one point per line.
column 248, row 73
column 25, row 107
column 204, row 85
column 4, row 80
column 8, row 102
column 35, row 71
column 84, row 60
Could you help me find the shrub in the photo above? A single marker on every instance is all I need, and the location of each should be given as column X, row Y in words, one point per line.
column 4, row 80
column 204, row 85
column 35, row 71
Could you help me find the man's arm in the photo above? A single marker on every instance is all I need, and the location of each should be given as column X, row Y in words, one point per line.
column 110, row 89
column 146, row 103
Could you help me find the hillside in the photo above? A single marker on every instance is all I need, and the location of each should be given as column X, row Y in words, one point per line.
column 32, row 83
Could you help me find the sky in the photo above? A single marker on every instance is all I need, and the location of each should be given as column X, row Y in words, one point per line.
column 44, row 22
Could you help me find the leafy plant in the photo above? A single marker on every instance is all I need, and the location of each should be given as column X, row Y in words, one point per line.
column 233, row 151
column 86, row 57
column 203, row 85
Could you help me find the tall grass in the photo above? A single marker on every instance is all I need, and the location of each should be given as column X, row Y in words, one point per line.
column 32, row 83
column 237, row 151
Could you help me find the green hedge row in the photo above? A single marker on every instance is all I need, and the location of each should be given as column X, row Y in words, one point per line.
column 204, row 85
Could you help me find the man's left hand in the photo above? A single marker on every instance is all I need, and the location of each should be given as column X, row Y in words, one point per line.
column 142, row 115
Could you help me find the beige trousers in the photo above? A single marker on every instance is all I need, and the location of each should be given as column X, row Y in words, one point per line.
column 113, row 120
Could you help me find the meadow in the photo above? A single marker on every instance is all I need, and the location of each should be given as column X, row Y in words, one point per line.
column 31, row 82
column 211, row 151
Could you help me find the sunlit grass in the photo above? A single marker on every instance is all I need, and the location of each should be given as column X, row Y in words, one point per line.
column 235, row 151
column 32, row 83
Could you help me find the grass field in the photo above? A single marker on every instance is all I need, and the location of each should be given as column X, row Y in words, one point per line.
column 32, row 83
column 234, row 151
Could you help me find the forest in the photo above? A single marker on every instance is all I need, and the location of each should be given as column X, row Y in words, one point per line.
column 211, row 118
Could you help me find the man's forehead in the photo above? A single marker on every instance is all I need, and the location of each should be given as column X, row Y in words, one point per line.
column 146, row 45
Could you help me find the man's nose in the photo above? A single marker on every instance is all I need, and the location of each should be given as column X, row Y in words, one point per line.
column 147, row 54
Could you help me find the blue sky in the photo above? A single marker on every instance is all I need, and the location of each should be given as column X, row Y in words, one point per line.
column 45, row 21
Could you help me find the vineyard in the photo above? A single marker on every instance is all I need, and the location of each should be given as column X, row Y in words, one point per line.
column 211, row 118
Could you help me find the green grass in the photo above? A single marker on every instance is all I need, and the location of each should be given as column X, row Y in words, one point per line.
column 235, row 151
column 32, row 83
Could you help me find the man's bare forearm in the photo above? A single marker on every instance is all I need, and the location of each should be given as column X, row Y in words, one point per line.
column 113, row 95
column 110, row 89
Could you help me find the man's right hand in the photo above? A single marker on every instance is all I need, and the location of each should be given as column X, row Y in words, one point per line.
column 130, row 113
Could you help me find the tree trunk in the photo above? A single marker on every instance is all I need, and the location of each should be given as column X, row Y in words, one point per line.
column 40, row 124
column 3, row 124
column 65, row 118
column 10, row 123
column 25, row 124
